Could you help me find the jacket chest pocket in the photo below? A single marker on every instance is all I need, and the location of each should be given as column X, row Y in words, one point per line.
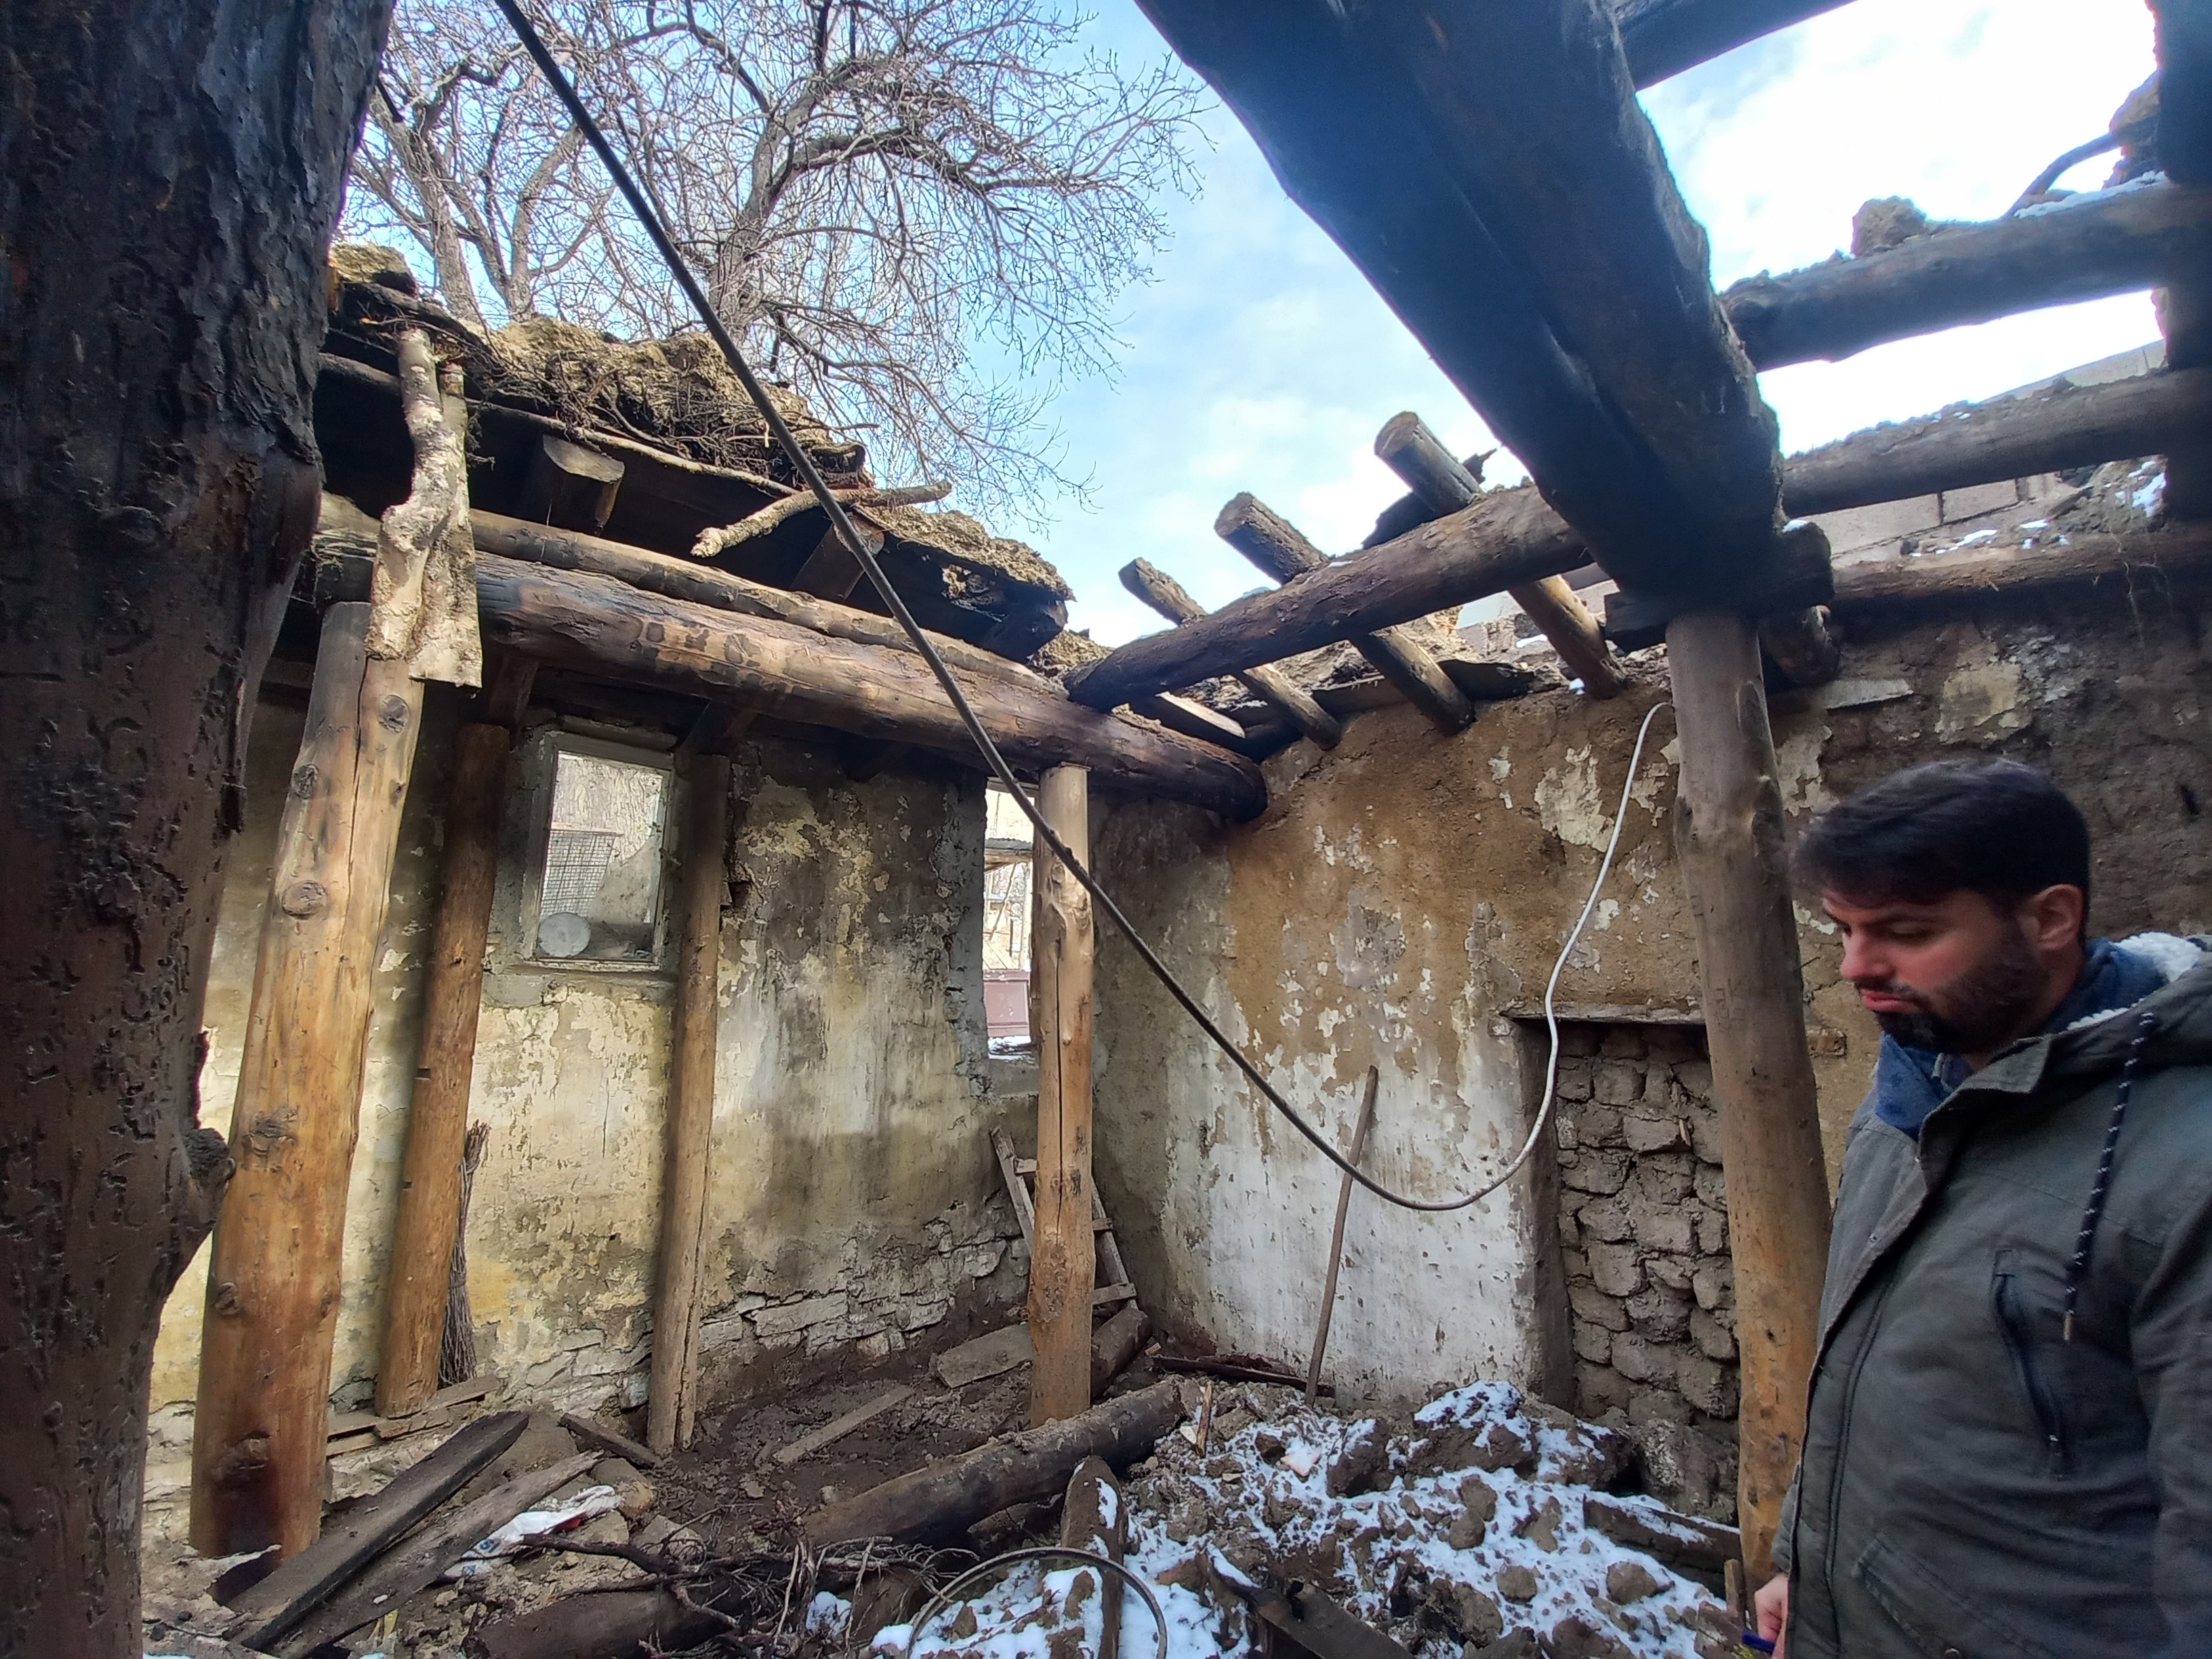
column 2074, row 1390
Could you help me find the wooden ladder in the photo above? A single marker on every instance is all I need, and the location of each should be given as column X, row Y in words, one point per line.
column 1020, row 1172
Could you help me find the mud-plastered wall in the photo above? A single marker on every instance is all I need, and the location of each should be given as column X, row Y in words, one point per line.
column 855, row 1206
column 1402, row 899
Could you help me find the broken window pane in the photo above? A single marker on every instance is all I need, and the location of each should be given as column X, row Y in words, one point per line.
column 600, row 896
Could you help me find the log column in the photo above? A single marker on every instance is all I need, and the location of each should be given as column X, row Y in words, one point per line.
column 423, row 1239
column 273, row 1301
column 1062, row 1258
column 1727, row 837
column 672, row 1400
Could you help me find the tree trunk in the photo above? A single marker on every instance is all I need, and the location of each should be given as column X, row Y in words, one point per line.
column 166, row 198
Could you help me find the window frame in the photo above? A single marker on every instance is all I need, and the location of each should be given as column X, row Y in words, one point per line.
column 541, row 763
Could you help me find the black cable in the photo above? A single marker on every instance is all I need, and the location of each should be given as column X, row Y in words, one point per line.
column 853, row 543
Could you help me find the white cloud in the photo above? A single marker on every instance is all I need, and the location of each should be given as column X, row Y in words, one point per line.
column 1259, row 360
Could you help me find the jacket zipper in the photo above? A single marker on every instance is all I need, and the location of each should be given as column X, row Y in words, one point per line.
column 2040, row 1398
column 1843, row 1430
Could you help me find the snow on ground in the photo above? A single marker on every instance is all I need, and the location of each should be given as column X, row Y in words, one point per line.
column 1465, row 1531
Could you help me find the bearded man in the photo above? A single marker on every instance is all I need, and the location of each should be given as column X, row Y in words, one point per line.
column 2008, row 1442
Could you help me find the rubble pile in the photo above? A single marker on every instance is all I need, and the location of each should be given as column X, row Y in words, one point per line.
column 1475, row 1529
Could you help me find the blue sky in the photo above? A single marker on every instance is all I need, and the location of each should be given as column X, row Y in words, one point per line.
column 1258, row 359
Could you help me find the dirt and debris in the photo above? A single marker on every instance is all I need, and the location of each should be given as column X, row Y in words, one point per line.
column 2115, row 499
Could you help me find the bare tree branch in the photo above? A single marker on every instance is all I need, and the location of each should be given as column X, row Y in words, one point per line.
column 885, row 197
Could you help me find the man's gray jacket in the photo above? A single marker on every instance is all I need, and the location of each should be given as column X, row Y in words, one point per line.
column 1974, row 1483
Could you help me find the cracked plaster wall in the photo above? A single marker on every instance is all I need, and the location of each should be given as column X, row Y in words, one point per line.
column 1399, row 903
column 854, row 1206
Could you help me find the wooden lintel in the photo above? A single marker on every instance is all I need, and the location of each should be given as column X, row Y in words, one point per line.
column 1167, row 596
column 1276, row 546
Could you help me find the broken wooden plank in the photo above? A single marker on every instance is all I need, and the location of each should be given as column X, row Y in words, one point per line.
column 1012, row 1169
column 607, row 1624
column 1273, row 543
column 991, row 1355
column 2114, row 242
column 837, row 1429
column 421, row 1558
column 595, row 1434
column 944, row 1500
column 1409, row 448
column 1312, row 1624
column 1167, row 596
column 602, row 625
column 274, row 1606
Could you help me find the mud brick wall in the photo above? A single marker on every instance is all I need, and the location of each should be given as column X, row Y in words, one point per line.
column 1644, row 1220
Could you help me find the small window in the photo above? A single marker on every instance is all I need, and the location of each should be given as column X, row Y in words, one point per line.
column 599, row 896
column 1006, row 920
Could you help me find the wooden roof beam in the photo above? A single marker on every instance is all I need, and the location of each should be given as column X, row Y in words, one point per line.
column 1665, row 37
column 1409, row 449
column 2112, row 243
column 1273, row 543
column 1510, row 537
column 1488, row 169
column 1167, row 596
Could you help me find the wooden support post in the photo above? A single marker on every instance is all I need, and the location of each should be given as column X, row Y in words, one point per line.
column 1271, row 685
column 1062, row 1257
column 423, row 1238
column 1274, row 544
column 273, row 1301
column 672, row 1400
column 1409, row 449
column 1728, row 837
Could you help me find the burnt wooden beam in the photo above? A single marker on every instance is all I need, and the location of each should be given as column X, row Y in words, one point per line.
column 568, row 484
column 1274, row 544
column 1442, row 484
column 1167, row 596
column 575, row 620
column 1662, row 38
column 1488, row 169
column 2113, row 242
column 1510, row 537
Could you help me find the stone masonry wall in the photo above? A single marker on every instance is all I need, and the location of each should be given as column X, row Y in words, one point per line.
column 1644, row 1220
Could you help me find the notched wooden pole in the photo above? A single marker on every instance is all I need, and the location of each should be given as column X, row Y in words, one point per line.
column 1727, row 837
column 1062, row 1257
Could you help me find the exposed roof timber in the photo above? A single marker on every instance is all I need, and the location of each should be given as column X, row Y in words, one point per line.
column 1665, row 37
column 1488, row 169
column 1509, row 536
column 576, row 620
column 2113, row 242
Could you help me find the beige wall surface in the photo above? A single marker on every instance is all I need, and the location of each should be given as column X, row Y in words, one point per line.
column 1400, row 903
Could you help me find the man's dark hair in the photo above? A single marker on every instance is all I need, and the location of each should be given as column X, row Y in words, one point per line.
column 1997, row 828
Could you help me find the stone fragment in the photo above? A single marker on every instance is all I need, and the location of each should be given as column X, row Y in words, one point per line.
column 1354, row 1469
column 1599, row 1388
column 1665, row 1229
column 1598, row 1126
column 653, row 1533
column 1541, row 1526
column 1705, row 1383
column 1666, row 1177
column 1714, row 1340
column 1518, row 1644
column 1653, row 1135
column 1618, row 1084
column 1477, row 1498
column 1467, row 1531
column 1605, row 1219
column 1650, row 1406
column 1595, row 1307
column 1696, row 1076
column 632, row 1490
column 1615, row 1270
column 1705, row 1137
column 1661, row 1316
column 1517, row 1582
column 1672, row 1272
column 1478, row 1616
column 1593, row 1343
column 605, row 1529
column 1712, row 1187
column 1714, row 1282
column 1712, row 1233
column 1576, row 1637
column 1599, row 1172
column 1629, row 1581
column 1641, row 1361
column 1574, row 1083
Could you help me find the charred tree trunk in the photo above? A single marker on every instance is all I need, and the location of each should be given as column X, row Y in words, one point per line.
column 166, row 197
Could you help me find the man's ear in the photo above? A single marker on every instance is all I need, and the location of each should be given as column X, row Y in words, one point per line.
column 2053, row 918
